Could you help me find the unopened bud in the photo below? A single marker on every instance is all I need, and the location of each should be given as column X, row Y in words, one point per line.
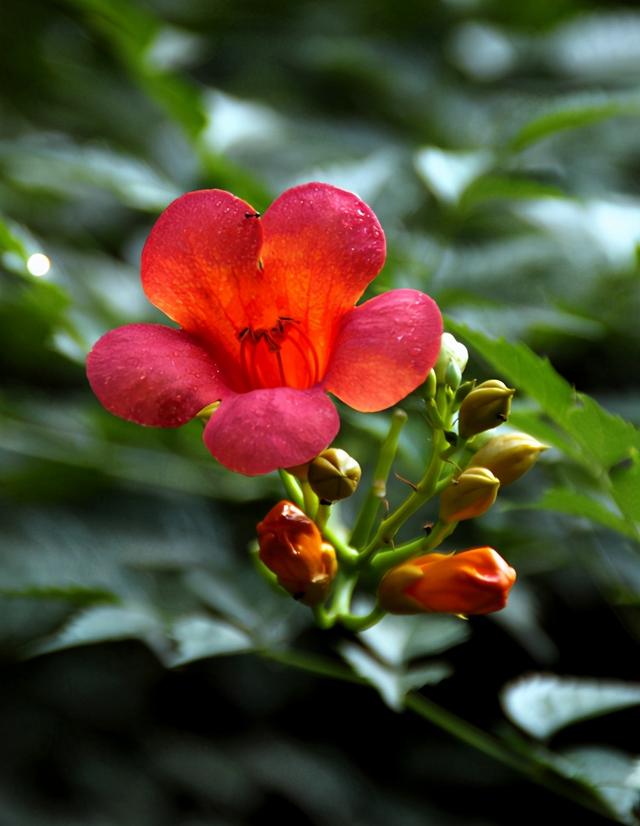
column 476, row 581
column 334, row 475
column 470, row 495
column 292, row 547
column 430, row 386
column 509, row 456
column 453, row 375
column 451, row 352
column 487, row 405
column 463, row 391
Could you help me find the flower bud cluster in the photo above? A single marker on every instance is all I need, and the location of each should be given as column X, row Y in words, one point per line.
column 474, row 581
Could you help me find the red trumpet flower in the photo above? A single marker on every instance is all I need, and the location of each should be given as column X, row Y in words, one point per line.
column 268, row 324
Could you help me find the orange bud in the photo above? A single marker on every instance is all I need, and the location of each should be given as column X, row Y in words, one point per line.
column 476, row 581
column 291, row 546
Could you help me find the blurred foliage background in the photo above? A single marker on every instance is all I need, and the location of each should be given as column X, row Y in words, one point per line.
column 499, row 145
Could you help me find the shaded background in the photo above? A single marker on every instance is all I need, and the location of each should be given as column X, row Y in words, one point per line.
column 499, row 145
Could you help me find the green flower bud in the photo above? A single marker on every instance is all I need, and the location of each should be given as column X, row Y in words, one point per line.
column 451, row 352
column 334, row 475
column 463, row 391
column 487, row 405
column 430, row 385
column 453, row 375
column 470, row 495
column 508, row 457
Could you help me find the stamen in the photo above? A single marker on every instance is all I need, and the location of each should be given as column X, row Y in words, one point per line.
column 297, row 366
column 281, row 367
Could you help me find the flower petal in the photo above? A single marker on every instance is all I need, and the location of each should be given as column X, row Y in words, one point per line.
column 153, row 375
column 200, row 267
column 385, row 349
column 263, row 430
column 322, row 246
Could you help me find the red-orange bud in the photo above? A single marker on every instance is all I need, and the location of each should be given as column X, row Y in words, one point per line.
column 292, row 547
column 476, row 581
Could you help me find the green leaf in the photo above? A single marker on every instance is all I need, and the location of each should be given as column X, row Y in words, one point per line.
column 200, row 637
column 74, row 594
column 542, row 704
column 398, row 640
column 10, row 240
column 603, row 437
column 503, row 187
column 615, row 776
column 607, row 437
column 573, row 503
column 626, row 487
column 535, row 424
column 573, row 113
column 68, row 169
column 393, row 684
column 105, row 623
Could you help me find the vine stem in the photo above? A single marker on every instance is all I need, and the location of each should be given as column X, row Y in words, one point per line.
column 423, row 492
column 534, row 769
column 378, row 490
column 389, row 559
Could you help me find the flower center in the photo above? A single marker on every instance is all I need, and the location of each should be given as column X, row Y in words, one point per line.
column 279, row 356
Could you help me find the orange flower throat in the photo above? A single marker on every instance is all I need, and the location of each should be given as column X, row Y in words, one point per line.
column 278, row 356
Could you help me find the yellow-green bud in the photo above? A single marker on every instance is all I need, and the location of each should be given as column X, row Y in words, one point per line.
column 451, row 352
column 508, row 457
column 470, row 495
column 334, row 475
column 487, row 405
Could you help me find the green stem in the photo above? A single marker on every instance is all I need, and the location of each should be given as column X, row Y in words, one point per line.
column 534, row 769
column 322, row 516
column 343, row 587
column 314, row 664
column 310, row 500
column 292, row 488
column 369, row 511
column 382, row 562
column 347, row 555
column 356, row 623
column 390, row 526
